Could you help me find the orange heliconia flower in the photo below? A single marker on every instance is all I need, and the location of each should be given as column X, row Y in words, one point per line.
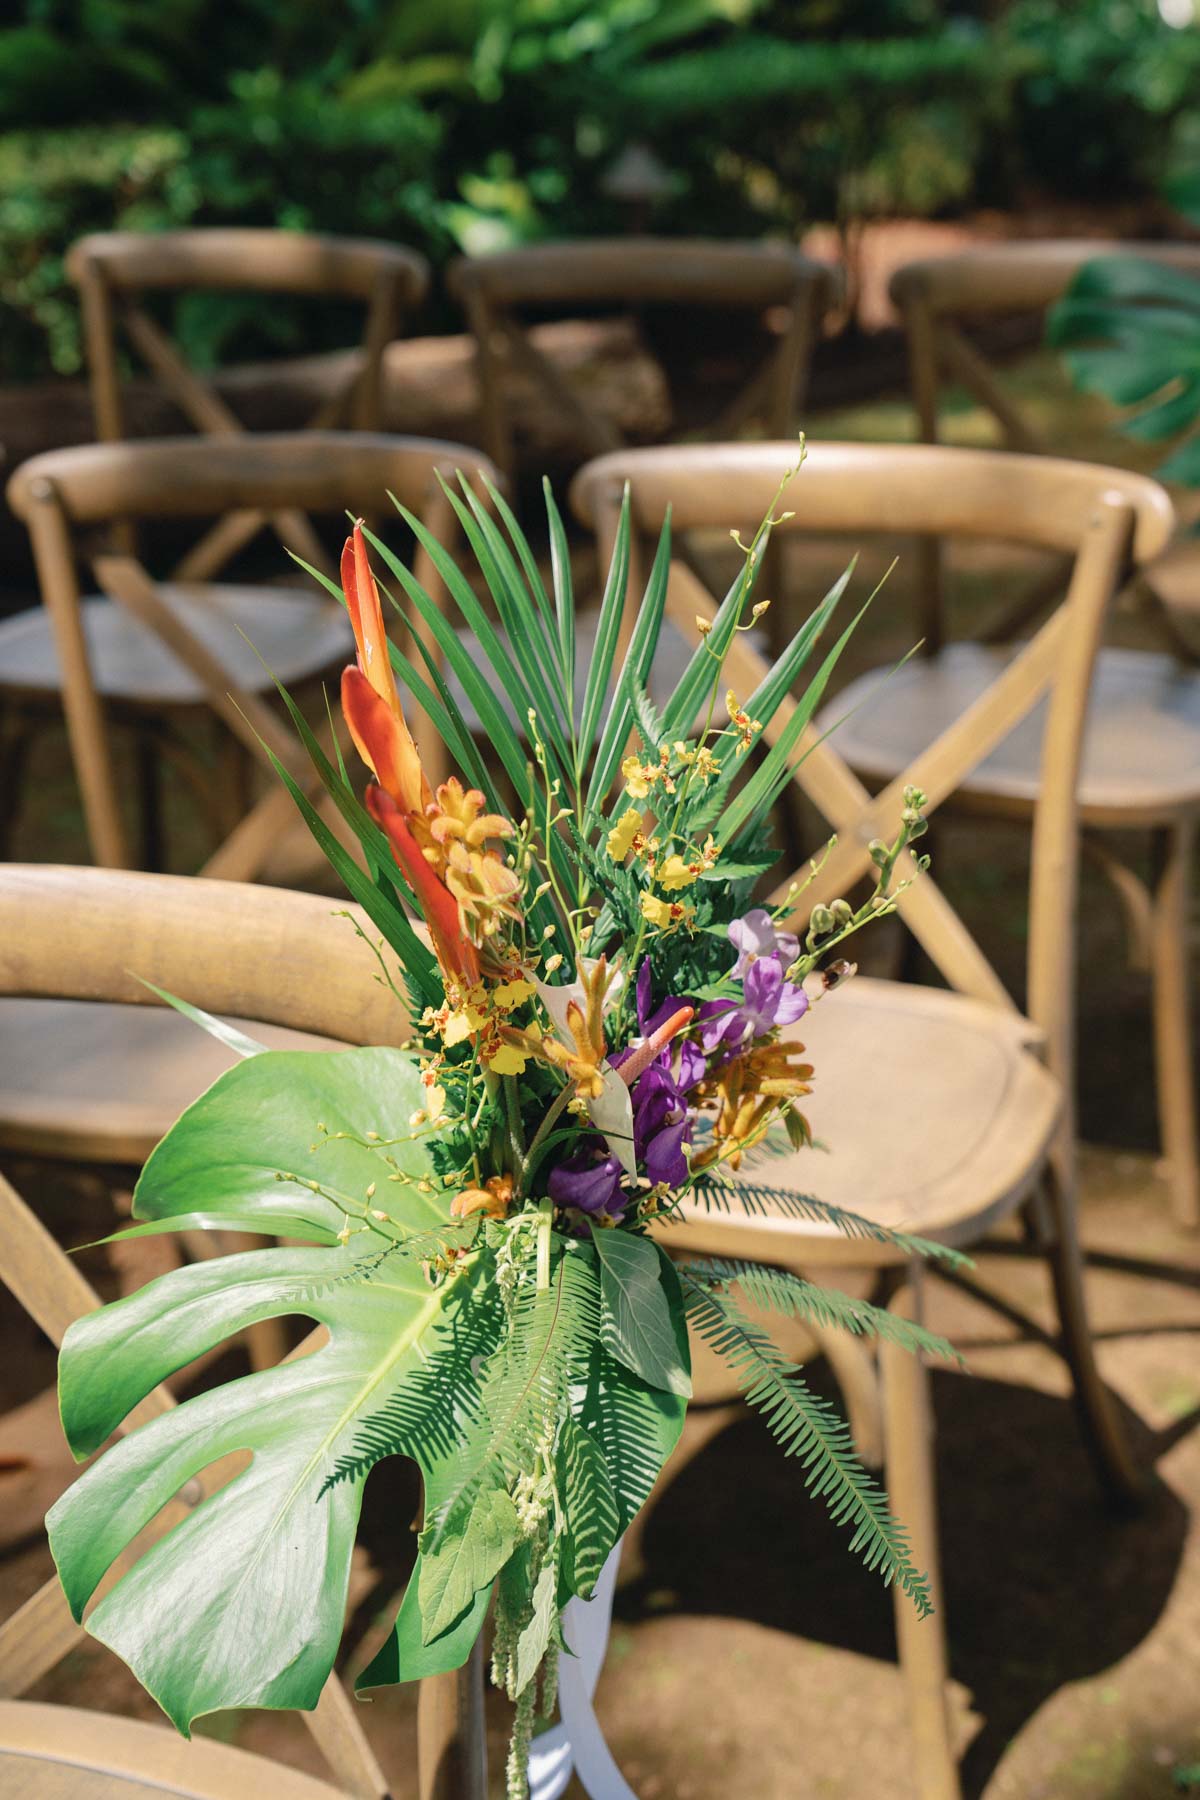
column 400, row 797
column 369, row 699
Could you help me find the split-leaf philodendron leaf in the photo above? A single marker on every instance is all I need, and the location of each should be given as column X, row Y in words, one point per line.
column 242, row 1604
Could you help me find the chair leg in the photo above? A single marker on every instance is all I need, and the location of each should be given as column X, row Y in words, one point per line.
column 15, row 741
column 150, row 800
column 451, row 1746
column 1106, row 1442
column 1173, row 1048
column 908, row 1434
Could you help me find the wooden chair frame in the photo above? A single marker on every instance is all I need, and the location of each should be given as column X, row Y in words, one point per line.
column 69, row 933
column 63, row 493
column 495, row 290
column 1104, row 520
column 934, row 297
column 113, row 271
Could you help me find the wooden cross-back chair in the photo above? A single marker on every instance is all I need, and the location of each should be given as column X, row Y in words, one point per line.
column 791, row 291
column 73, row 940
column 943, row 1111
column 1142, row 771
column 936, row 298
column 115, row 271
column 151, row 651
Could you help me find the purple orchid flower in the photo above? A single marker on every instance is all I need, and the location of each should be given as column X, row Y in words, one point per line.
column 769, row 999
column 755, row 936
column 589, row 1181
column 662, row 1126
column 683, row 1060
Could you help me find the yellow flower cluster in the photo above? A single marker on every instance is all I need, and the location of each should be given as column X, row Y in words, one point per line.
column 747, row 729
column 453, row 834
column 479, row 1011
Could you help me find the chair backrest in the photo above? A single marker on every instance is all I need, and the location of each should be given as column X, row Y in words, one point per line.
column 791, row 291
column 269, row 956
column 64, row 493
column 1103, row 519
column 115, row 270
column 935, row 296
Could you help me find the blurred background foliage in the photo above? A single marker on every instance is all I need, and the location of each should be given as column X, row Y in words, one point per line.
column 474, row 123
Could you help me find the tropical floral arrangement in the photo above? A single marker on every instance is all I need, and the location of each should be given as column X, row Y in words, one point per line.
column 604, row 1031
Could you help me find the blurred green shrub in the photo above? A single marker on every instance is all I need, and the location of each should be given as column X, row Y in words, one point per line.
column 474, row 123
column 1098, row 88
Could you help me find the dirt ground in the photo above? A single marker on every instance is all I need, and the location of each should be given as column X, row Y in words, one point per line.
column 750, row 1654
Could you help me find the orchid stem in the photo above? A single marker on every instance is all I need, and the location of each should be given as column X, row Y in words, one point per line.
column 516, row 1142
column 551, row 1117
column 545, row 1218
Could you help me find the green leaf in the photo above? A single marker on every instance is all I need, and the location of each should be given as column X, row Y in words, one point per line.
column 564, row 593
column 519, row 615
column 635, row 671
column 778, row 1290
column 637, row 1325
column 608, row 628
column 761, row 1198
column 807, row 1428
column 679, row 714
column 635, row 1425
column 463, row 1563
column 593, row 1518
column 226, row 1034
column 751, row 803
column 534, row 1641
column 649, row 722
column 242, row 1604
column 406, row 1657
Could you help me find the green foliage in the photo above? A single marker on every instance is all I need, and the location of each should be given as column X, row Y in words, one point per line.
column 778, row 1290
column 805, row 1427
column 1098, row 89
column 1131, row 329
column 260, row 1567
column 637, row 1323
column 481, row 123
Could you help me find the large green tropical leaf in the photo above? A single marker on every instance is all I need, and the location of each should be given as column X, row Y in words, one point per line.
column 243, row 1603
column 1131, row 330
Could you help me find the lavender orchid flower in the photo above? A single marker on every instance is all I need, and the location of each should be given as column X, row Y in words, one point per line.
column 769, row 1000
column 755, row 936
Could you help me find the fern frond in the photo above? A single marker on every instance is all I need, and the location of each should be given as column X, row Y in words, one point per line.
column 425, row 1418
column 623, row 1415
column 527, row 1388
column 762, row 1198
column 806, row 1427
column 778, row 1290
column 648, row 718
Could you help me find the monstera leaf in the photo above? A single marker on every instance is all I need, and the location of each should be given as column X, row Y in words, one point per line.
column 242, row 1604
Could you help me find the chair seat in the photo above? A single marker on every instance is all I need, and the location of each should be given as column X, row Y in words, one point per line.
column 296, row 634
column 1141, row 759
column 932, row 1115
column 65, row 1753
column 99, row 1082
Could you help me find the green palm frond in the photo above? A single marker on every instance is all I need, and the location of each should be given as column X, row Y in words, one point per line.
column 806, row 1427
column 778, row 1290
column 761, row 1198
